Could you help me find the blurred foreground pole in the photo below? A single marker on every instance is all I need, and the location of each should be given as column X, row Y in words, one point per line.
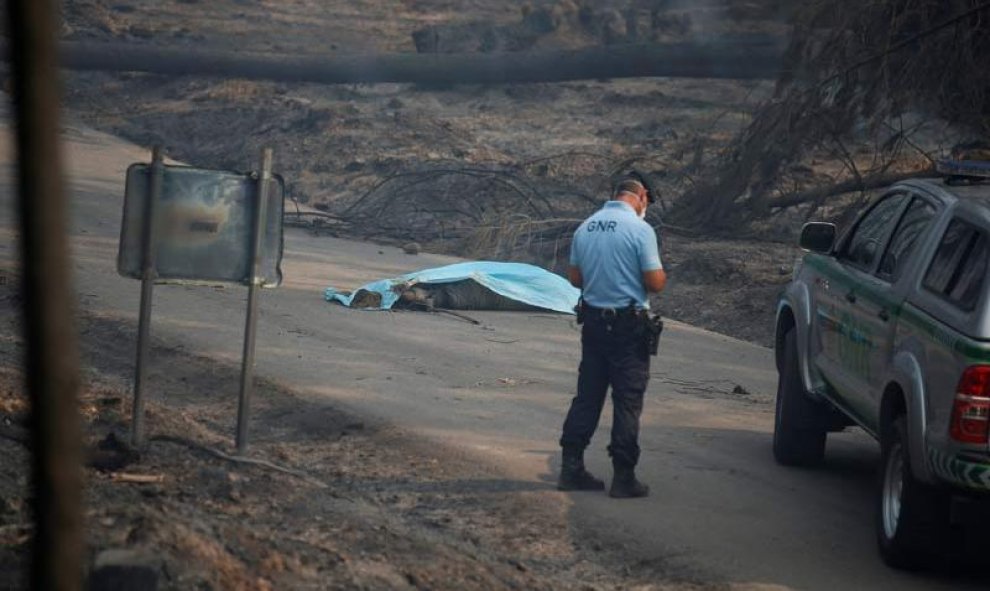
column 52, row 362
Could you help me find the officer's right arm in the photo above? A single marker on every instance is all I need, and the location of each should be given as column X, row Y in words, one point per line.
column 654, row 281
column 654, row 277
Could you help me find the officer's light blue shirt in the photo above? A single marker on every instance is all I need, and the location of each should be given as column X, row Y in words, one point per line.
column 613, row 248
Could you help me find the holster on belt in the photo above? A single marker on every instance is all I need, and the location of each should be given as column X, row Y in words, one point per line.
column 654, row 327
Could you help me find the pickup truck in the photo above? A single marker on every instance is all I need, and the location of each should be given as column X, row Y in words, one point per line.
column 888, row 327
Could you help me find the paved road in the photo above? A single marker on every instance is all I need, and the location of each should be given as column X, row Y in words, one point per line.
column 721, row 510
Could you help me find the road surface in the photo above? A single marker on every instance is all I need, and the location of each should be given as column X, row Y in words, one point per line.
column 721, row 510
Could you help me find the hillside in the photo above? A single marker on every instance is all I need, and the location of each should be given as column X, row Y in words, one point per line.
column 453, row 168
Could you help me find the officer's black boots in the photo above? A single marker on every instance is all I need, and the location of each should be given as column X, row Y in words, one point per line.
column 573, row 475
column 625, row 485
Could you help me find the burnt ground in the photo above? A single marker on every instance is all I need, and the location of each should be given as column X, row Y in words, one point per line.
column 344, row 150
column 366, row 506
column 463, row 154
column 378, row 508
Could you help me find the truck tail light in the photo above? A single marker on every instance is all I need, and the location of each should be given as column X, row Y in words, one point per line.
column 971, row 410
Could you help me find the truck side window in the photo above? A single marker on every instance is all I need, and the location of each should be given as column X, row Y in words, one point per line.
column 863, row 247
column 959, row 266
column 916, row 220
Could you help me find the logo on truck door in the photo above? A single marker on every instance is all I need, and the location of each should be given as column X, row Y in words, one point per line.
column 856, row 346
column 852, row 341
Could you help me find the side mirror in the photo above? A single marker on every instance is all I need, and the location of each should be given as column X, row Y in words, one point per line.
column 818, row 237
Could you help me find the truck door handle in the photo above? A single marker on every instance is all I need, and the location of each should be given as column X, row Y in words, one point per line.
column 851, row 297
column 883, row 314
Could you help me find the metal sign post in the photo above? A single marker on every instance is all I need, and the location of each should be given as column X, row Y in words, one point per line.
column 254, row 281
column 148, row 276
column 190, row 225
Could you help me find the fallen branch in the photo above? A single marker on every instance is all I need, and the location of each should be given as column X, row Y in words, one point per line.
column 457, row 315
column 315, row 214
column 724, row 60
column 540, row 222
column 239, row 459
column 427, row 306
column 137, row 478
column 866, row 183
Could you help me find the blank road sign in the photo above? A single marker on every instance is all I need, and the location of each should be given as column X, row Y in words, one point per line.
column 204, row 221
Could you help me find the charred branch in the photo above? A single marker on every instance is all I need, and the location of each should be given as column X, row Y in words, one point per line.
column 739, row 60
column 852, row 185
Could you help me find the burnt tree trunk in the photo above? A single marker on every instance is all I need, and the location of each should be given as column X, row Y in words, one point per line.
column 759, row 60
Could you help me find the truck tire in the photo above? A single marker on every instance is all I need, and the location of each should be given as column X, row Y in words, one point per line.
column 913, row 519
column 800, row 423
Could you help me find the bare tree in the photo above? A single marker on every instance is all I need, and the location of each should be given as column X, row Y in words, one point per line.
column 852, row 66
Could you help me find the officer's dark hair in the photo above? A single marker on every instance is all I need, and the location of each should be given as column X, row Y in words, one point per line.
column 631, row 181
column 627, row 186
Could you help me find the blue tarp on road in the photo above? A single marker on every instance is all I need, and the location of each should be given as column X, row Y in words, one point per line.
column 517, row 281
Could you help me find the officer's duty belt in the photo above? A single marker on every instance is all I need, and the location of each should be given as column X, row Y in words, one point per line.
column 612, row 313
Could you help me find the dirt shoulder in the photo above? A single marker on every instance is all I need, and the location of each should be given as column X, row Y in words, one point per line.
column 343, row 504
column 727, row 286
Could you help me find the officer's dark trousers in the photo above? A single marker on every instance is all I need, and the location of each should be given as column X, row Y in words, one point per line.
column 612, row 354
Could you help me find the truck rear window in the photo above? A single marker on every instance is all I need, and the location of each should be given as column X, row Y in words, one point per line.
column 959, row 266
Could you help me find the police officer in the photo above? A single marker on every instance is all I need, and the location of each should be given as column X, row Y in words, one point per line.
column 615, row 261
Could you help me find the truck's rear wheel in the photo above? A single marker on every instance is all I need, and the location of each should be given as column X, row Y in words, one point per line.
column 912, row 518
column 801, row 423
